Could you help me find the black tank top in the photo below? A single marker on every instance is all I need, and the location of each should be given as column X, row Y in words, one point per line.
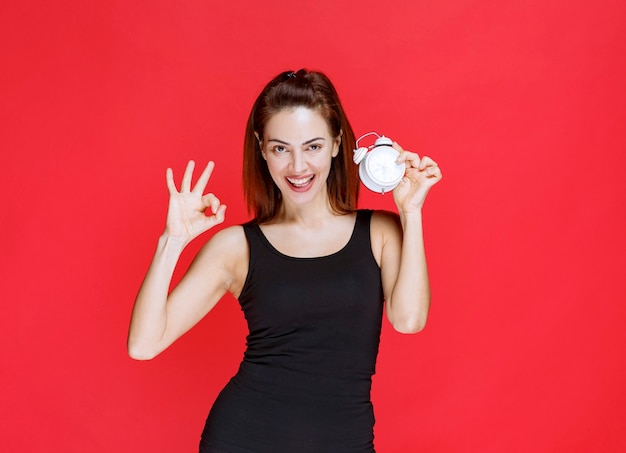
column 314, row 329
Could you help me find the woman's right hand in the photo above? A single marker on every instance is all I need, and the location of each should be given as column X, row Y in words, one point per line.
column 186, row 215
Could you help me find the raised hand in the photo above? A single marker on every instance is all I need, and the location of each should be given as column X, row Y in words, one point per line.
column 421, row 174
column 186, row 215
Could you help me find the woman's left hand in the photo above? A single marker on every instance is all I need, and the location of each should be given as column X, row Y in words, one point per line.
column 420, row 175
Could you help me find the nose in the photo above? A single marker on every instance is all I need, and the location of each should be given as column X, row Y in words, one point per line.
column 298, row 161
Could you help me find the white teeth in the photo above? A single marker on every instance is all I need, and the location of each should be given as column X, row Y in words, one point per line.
column 299, row 182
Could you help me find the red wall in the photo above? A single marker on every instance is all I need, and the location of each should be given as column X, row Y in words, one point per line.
column 521, row 103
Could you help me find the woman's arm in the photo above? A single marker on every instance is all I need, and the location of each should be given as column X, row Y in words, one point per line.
column 158, row 319
column 403, row 269
column 403, row 261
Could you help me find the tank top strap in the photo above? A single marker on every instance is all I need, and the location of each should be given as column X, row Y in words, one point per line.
column 251, row 229
column 361, row 235
column 256, row 241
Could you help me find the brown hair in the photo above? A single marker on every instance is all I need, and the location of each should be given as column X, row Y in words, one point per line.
column 289, row 90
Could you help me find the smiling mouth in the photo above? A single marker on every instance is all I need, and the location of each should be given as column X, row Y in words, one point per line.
column 300, row 183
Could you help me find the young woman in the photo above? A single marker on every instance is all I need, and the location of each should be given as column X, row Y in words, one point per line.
column 311, row 273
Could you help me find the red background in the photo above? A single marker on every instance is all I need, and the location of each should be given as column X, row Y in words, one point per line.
column 521, row 103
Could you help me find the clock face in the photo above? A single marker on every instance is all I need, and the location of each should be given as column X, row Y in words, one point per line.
column 382, row 166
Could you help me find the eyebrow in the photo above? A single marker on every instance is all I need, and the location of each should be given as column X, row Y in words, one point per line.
column 305, row 143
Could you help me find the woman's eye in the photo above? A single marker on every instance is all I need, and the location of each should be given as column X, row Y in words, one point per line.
column 315, row 147
column 280, row 149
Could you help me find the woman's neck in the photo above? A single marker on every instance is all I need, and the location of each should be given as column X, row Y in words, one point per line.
column 310, row 214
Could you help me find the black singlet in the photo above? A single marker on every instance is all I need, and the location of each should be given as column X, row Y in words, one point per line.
column 314, row 328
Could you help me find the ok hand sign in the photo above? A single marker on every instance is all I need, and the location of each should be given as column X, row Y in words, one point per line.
column 186, row 216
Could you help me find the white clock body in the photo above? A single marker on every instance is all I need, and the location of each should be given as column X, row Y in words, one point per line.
column 378, row 169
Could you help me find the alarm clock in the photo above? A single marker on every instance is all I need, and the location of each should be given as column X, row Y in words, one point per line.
column 378, row 168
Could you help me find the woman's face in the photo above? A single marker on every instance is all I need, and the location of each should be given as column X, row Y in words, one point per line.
column 299, row 149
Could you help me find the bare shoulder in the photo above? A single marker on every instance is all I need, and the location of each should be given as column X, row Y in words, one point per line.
column 230, row 239
column 385, row 223
column 227, row 251
column 231, row 236
column 385, row 229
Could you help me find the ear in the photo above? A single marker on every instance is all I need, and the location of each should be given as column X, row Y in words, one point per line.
column 336, row 144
